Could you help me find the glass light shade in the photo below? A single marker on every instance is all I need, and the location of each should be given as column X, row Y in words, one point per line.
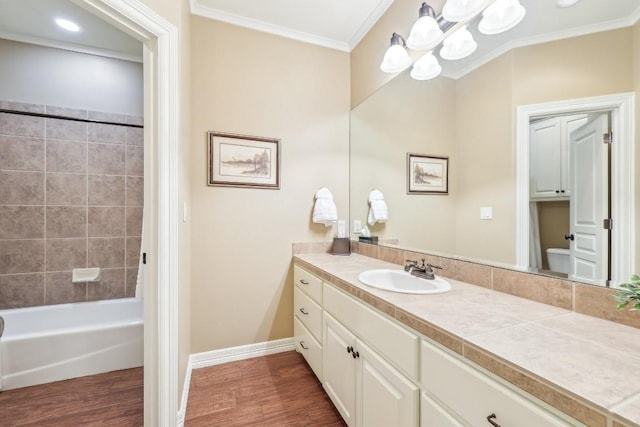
column 67, row 25
column 426, row 68
column 425, row 33
column 395, row 59
column 501, row 16
column 458, row 45
column 567, row 3
column 462, row 10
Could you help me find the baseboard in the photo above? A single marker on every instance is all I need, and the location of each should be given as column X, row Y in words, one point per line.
column 217, row 357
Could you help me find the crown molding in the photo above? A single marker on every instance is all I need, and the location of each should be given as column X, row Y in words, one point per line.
column 265, row 27
column 545, row 38
column 22, row 38
column 371, row 20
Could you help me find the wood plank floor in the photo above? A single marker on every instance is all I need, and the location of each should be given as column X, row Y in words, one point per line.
column 270, row 391
column 275, row 390
column 111, row 399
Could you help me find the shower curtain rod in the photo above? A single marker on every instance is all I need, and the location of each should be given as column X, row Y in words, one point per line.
column 74, row 119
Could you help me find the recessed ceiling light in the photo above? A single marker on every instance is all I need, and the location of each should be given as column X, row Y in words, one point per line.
column 567, row 3
column 67, row 25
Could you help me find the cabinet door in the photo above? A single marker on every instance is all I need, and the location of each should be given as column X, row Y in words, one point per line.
column 386, row 398
column 339, row 368
column 569, row 124
column 546, row 158
column 434, row 415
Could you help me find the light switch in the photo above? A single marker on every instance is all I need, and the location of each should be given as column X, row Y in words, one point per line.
column 486, row 212
column 357, row 226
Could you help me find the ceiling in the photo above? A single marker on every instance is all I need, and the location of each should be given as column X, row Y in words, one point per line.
column 337, row 24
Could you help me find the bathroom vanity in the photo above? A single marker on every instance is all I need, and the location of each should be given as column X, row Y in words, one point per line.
column 468, row 357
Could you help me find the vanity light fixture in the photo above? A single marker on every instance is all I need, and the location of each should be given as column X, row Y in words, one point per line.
column 426, row 32
column 500, row 16
column 459, row 45
column 67, row 25
column 462, row 10
column 426, row 68
column 396, row 58
column 567, row 3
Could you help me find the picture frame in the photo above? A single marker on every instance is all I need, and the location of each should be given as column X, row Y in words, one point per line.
column 243, row 161
column 427, row 174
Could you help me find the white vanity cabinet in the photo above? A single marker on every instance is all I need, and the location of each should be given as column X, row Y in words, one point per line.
column 549, row 142
column 474, row 397
column 366, row 390
column 307, row 323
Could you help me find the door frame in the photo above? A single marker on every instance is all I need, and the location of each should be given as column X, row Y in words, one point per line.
column 161, row 199
column 622, row 107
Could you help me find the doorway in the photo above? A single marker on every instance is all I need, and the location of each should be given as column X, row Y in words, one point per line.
column 622, row 169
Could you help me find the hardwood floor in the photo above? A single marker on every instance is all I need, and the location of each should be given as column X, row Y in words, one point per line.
column 275, row 390
column 111, row 399
column 270, row 391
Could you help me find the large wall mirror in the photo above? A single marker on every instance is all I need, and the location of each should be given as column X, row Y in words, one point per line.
column 473, row 120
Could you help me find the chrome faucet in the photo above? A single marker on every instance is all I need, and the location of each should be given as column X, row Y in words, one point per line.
column 423, row 271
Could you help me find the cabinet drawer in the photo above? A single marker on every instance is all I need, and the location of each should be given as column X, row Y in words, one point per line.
column 391, row 340
column 433, row 415
column 309, row 283
column 308, row 347
column 309, row 313
column 473, row 395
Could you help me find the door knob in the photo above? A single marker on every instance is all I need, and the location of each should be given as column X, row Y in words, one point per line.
column 569, row 237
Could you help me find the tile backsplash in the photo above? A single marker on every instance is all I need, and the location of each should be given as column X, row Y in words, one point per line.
column 71, row 196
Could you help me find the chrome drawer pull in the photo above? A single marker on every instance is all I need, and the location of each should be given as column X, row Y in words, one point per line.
column 492, row 417
column 304, row 282
column 303, row 312
column 302, row 345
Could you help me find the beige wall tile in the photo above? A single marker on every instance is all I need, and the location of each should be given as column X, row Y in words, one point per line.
column 21, row 222
column 21, row 290
column 393, row 255
column 113, row 134
column 13, row 124
column 21, row 188
column 475, row 274
column 110, row 286
column 66, row 221
column 135, row 136
column 131, row 280
column 369, row 250
column 66, row 129
column 135, row 160
column 106, row 190
column 66, row 112
column 598, row 302
column 133, row 251
column 106, row 222
column 21, row 153
column 66, row 254
column 66, row 156
column 61, row 290
column 106, row 252
column 66, row 189
column 106, row 159
column 21, row 256
column 135, row 191
column 543, row 289
column 134, row 221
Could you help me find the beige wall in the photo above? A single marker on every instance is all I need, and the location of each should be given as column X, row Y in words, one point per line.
column 404, row 116
column 253, row 83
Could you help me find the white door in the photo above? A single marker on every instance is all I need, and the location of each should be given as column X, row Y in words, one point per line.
column 339, row 368
column 386, row 397
column 588, row 202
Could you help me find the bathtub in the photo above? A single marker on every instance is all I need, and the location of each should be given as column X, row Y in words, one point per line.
column 57, row 342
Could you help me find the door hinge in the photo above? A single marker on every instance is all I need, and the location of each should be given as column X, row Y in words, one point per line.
column 607, row 224
column 144, row 257
column 607, row 138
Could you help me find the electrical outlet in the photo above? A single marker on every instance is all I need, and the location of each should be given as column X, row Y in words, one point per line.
column 357, row 226
column 486, row 213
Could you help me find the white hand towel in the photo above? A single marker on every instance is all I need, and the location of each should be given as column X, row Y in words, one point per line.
column 378, row 208
column 324, row 210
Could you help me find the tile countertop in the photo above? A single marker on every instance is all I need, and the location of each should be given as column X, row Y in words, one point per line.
column 586, row 367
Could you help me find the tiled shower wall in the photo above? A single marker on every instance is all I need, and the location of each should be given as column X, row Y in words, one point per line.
column 71, row 196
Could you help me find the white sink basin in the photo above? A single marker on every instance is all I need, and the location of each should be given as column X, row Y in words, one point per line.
column 403, row 282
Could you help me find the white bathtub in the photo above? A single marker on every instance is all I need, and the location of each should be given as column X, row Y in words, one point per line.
column 52, row 343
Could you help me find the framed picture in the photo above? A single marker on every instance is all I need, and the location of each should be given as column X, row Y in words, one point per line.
column 427, row 174
column 243, row 161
